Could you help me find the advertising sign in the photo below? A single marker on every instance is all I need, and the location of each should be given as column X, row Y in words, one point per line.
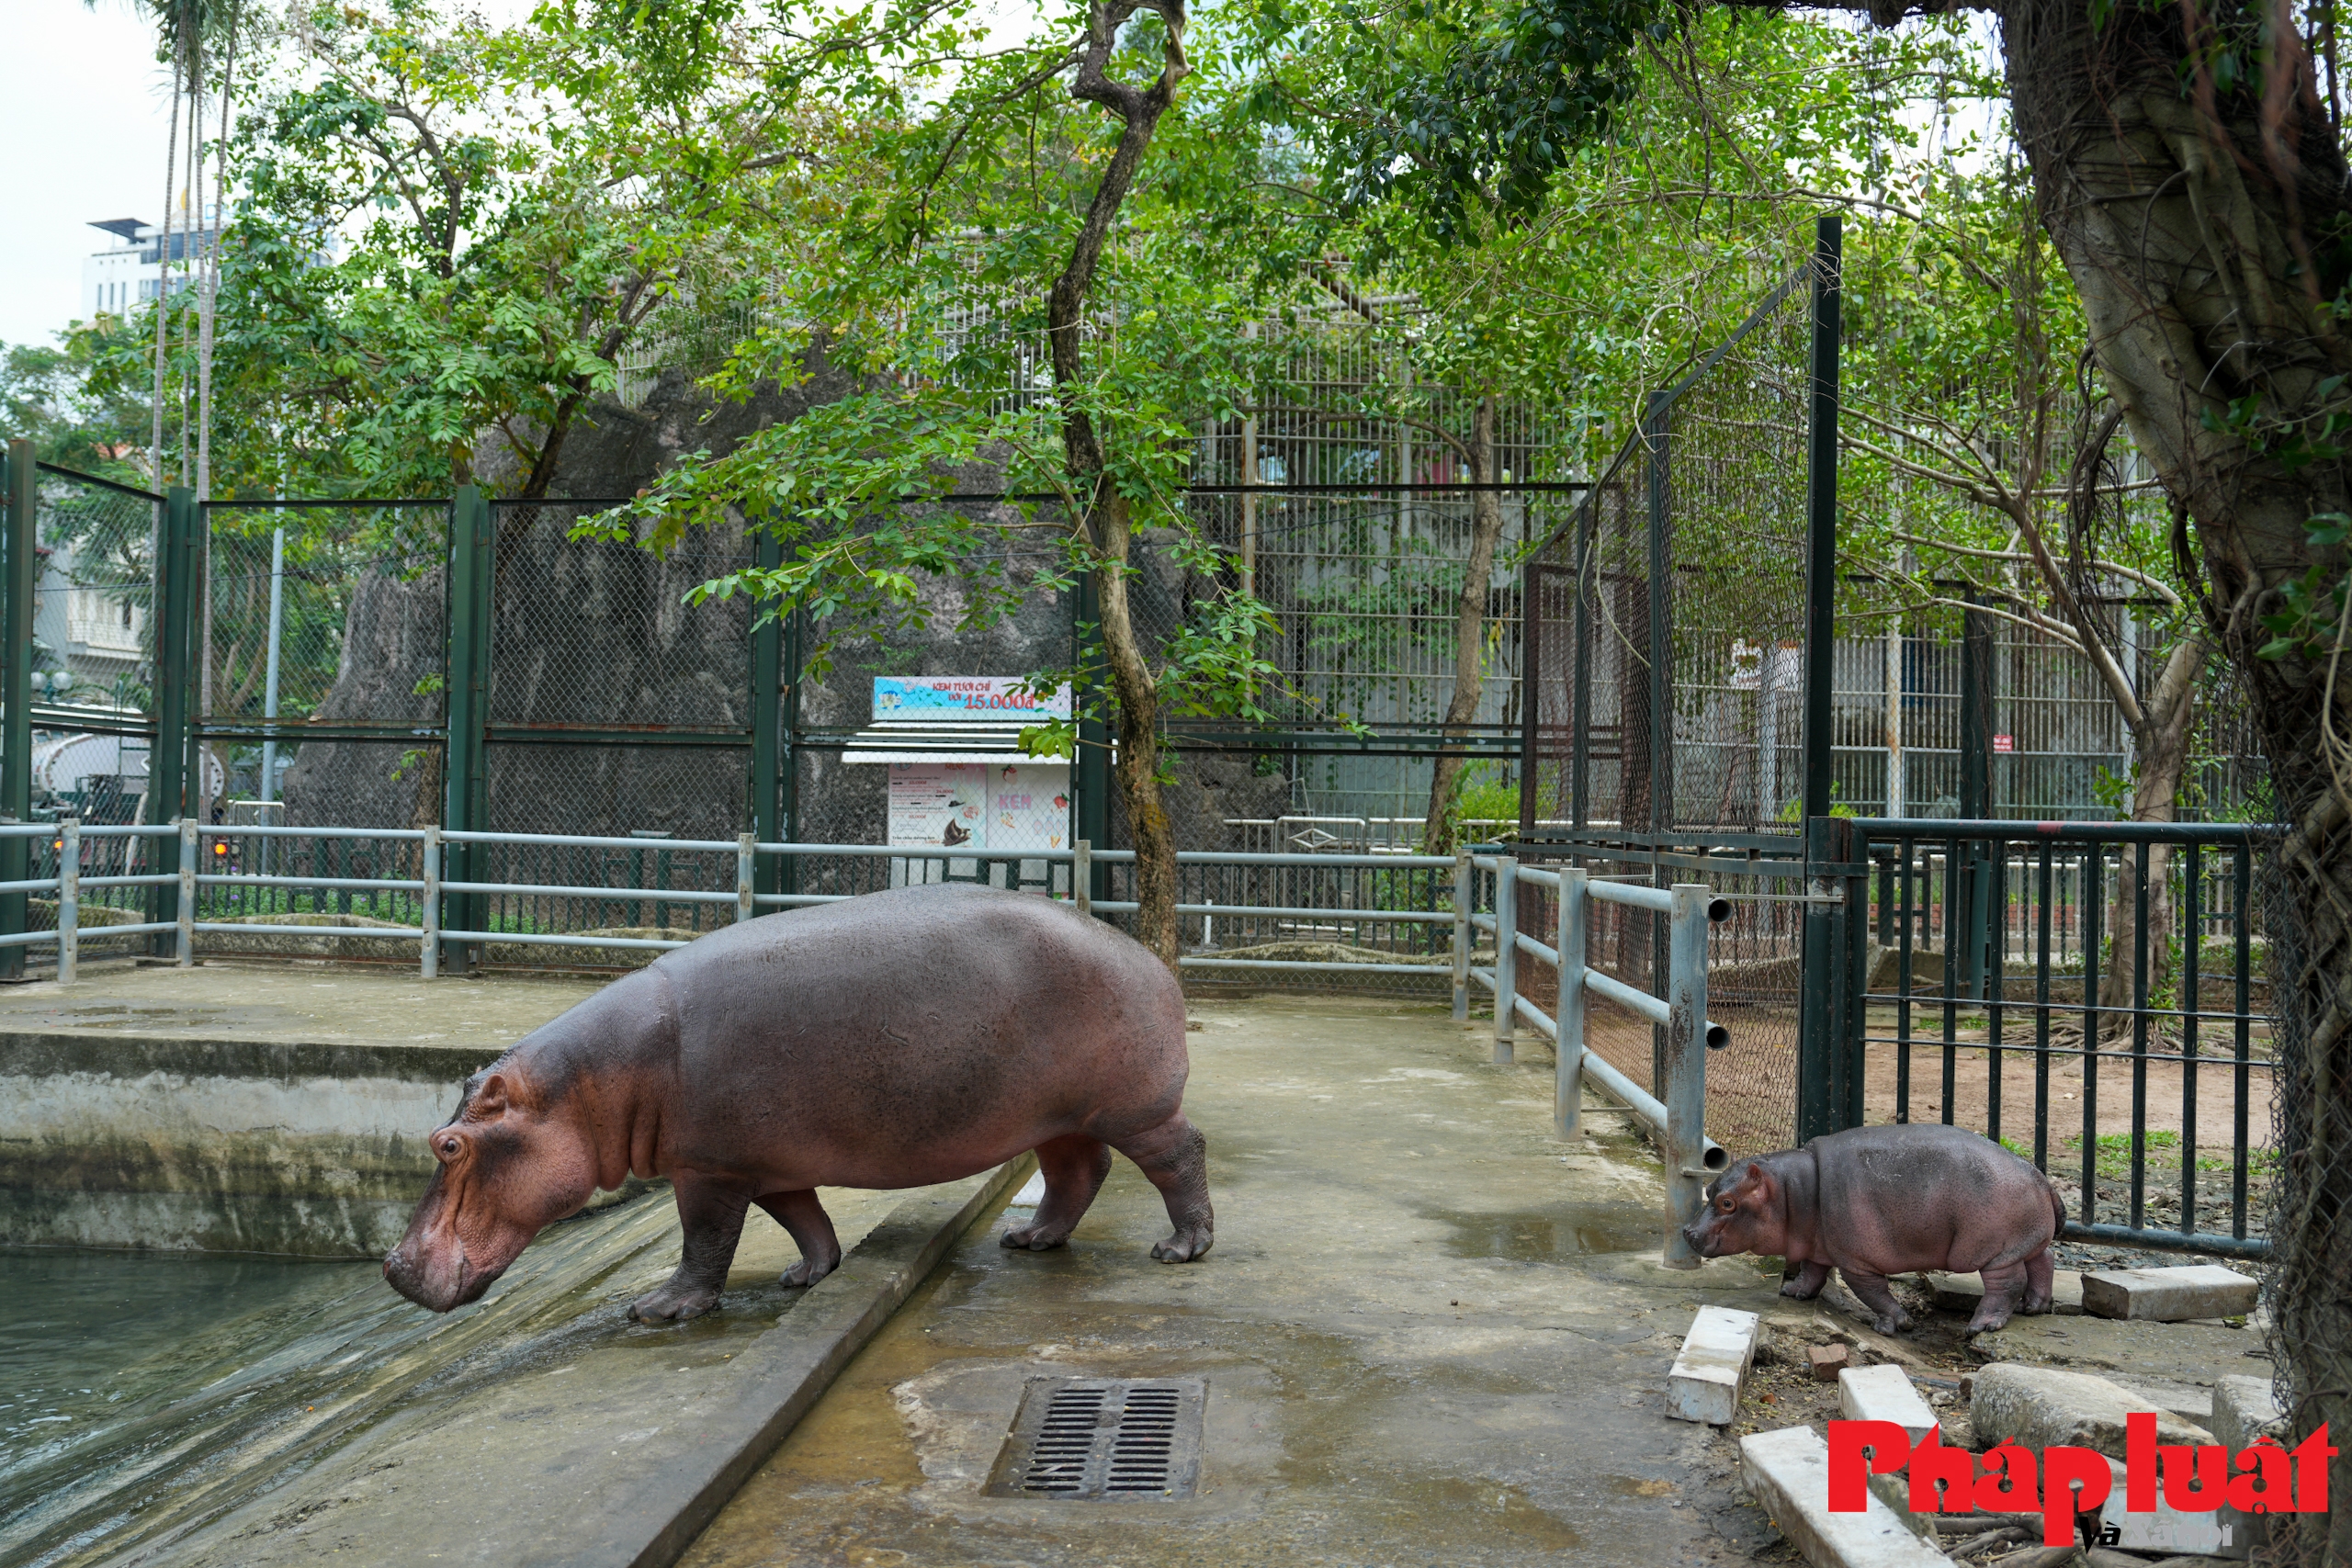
column 980, row 805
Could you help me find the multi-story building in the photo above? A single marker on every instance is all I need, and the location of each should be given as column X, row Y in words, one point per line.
column 133, row 270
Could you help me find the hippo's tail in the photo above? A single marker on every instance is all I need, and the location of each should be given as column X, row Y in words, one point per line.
column 2057, row 1207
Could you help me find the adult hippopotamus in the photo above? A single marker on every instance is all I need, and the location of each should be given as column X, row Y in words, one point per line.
column 1872, row 1201
column 894, row 1040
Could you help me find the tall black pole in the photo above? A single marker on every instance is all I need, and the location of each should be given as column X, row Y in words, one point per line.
column 18, row 567
column 1820, row 1106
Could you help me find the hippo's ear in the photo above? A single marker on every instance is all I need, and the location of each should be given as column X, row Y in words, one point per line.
column 488, row 1101
column 1760, row 1183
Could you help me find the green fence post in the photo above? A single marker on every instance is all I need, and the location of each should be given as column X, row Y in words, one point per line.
column 472, row 565
column 175, row 639
column 1820, row 1099
column 19, row 560
column 775, row 715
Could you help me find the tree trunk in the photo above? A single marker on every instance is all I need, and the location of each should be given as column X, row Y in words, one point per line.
column 2196, row 228
column 1440, row 830
column 1108, row 525
column 2160, row 756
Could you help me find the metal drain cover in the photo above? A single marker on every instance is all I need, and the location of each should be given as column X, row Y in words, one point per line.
column 1103, row 1439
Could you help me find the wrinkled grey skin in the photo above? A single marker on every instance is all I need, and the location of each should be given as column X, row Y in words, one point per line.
column 1872, row 1201
column 895, row 1040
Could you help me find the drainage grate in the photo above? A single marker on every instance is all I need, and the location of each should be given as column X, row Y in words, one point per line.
column 1103, row 1439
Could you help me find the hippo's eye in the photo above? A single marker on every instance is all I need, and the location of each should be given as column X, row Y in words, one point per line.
column 450, row 1146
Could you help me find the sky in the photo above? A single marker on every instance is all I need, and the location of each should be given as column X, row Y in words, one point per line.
column 83, row 120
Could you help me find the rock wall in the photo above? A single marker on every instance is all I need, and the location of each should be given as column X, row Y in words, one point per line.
column 598, row 636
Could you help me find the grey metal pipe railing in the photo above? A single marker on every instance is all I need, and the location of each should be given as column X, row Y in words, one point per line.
column 1678, row 1120
column 191, row 877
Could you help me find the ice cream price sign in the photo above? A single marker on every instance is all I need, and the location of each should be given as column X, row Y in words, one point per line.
column 965, row 699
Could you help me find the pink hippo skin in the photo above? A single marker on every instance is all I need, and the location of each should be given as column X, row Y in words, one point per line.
column 1873, row 1202
column 895, row 1040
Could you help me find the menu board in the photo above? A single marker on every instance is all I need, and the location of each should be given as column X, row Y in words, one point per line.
column 939, row 805
column 980, row 805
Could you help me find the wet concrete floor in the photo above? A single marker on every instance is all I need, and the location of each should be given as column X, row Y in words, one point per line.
column 1433, row 1333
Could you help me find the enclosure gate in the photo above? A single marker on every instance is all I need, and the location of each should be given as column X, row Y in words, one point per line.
column 1998, row 933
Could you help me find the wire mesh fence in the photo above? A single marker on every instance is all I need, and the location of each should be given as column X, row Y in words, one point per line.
column 1670, row 606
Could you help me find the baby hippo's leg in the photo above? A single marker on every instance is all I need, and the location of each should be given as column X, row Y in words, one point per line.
column 1806, row 1283
column 812, row 1232
column 1074, row 1168
column 712, row 1217
column 2004, row 1284
column 1176, row 1157
column 2041, row 1282
column 1874, row 1293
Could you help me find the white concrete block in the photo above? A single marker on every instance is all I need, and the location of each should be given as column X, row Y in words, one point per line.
column 2243, row 1411
column 1961, row 1292
column 1787, row 1472
column 1883, row 1392
column 2169, row 1295
column 1712, row 1371
column 2167, row 1532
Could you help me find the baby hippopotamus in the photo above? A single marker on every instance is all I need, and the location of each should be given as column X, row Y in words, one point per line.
column 1872, row 1201
column 895, row 1040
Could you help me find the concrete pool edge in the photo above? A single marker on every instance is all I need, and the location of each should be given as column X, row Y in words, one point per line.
column 793, row 1364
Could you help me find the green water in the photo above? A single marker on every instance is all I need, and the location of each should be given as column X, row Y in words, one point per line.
column 113, row 1366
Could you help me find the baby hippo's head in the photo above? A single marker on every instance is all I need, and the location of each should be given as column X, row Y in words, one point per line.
column 1743, row 1213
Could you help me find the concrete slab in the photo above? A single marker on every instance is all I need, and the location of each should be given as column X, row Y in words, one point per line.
column 1883, row 1392
column 1710, row 1371
column 2169, row 1295
column 1962, row 1292
column 1433, row 1332
column 1788, row 1471
column 2043, row 1407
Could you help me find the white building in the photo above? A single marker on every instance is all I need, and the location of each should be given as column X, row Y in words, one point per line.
column 131, row 271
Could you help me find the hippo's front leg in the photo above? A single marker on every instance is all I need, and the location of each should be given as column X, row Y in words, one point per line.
column 1874, row 1292
column 711, row 1214
column 1806, row 1283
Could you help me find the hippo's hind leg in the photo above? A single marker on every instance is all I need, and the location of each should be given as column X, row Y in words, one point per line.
column 1073, row 1168
column 2041, row 1282
column 712, row 1217
column 1874, row 1292
column 1176, row 1157
column 2004, row 1284
column 811, row 1230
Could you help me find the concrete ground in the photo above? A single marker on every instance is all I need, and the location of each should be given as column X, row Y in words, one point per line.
column 312, row 1003
column 1432, row 1333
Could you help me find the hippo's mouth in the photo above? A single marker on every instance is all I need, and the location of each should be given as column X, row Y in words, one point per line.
column 439, row 1280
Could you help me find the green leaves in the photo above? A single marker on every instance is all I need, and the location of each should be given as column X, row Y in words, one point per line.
column 2315, row 608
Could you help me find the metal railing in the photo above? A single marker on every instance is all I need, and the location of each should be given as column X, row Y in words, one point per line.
column 1680, row 1120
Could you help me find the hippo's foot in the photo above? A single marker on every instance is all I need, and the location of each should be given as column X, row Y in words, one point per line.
column 1187, row 1244
column 1038, row 1237
column 675, row 1302
column 1806, row 1283
column 809, row 1270
column 2002, row 1290
column 1871, row 1290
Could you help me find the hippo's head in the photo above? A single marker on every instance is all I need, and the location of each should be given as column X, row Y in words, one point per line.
column 1743, row 1213
column 507, row 1169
